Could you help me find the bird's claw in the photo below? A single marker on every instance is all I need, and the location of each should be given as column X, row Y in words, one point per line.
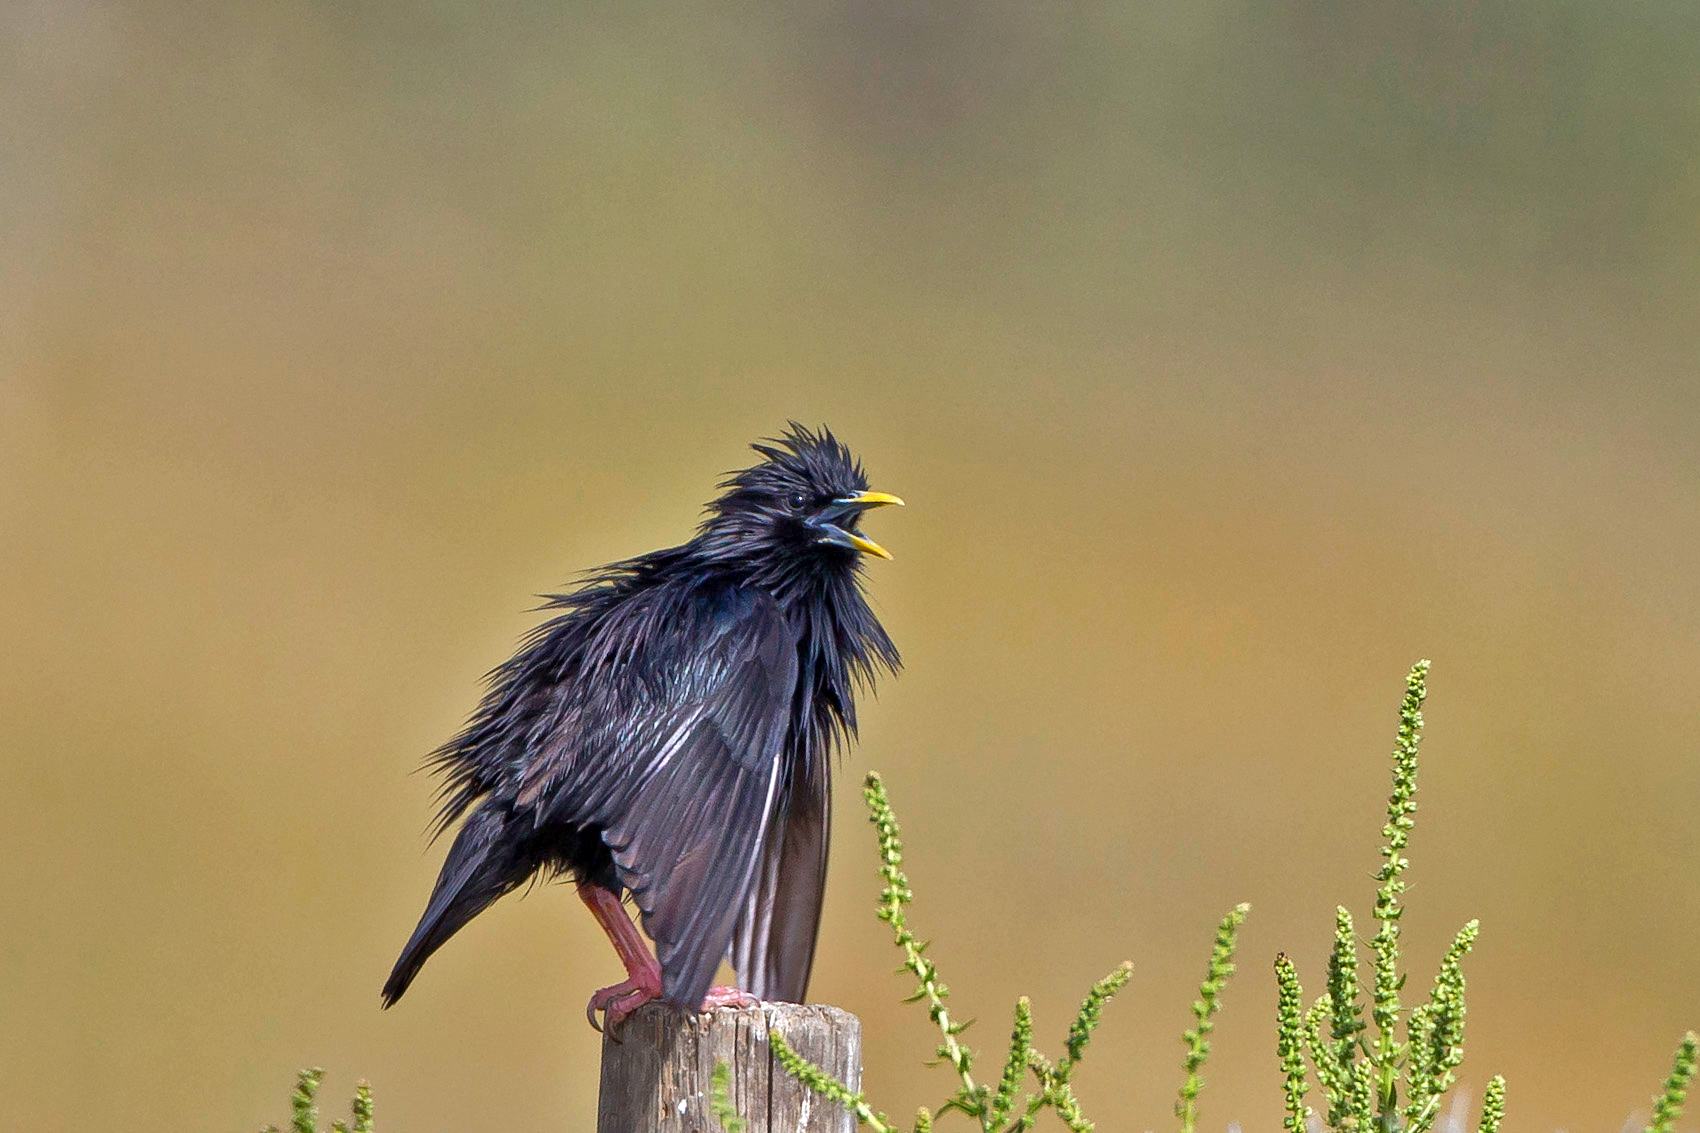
column 618, row 1002
column 727, row 997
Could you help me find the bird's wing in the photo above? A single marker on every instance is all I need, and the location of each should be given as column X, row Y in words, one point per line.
column 773, row 947
column 688, row 775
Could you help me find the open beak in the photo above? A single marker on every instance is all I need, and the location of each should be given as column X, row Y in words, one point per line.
column 851, row 506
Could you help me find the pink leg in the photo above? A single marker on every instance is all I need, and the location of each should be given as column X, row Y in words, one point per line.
column 643, row 974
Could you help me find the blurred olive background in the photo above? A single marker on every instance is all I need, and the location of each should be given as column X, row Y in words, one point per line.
column 1231, row 356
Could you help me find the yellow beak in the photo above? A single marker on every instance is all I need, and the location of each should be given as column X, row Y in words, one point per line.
column 858, row 503
column 868, row 546
column 872, row 499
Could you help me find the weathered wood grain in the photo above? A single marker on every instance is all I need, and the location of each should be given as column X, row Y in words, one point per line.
column 656, row 1078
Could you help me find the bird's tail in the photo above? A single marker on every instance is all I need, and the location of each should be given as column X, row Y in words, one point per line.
column 481, row 866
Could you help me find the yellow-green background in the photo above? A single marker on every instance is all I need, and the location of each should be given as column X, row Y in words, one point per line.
column 1231, row 355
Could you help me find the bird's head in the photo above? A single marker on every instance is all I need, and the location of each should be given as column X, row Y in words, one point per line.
column 801, row 506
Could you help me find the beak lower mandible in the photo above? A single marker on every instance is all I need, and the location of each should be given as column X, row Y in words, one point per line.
column 866, row 545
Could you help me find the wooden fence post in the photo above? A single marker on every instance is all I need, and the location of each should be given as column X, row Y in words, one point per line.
column 656, row 1078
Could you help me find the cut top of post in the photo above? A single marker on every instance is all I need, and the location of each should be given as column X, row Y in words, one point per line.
column 656, row 1078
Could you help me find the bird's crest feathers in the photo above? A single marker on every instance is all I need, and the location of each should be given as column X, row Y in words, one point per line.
column 800, row 458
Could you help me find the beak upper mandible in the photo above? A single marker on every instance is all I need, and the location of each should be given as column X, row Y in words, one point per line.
column 869, row 499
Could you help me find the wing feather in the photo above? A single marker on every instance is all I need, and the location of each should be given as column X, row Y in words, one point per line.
column 685, row 780
column 773, row 945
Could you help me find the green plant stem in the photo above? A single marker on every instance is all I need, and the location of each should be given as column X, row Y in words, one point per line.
column 826, row 1085
column 971, row 1099
column 1401, row 805
column 1197, row 1041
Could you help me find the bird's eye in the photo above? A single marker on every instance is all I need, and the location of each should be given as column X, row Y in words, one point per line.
column 798, row 501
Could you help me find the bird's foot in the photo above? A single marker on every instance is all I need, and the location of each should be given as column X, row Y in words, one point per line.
column 727, row 997
column 618, row 1002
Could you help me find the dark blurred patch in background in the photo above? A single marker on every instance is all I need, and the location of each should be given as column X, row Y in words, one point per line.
column 1231, row 356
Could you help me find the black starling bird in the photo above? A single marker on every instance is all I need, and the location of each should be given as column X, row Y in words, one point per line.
column 669, row 735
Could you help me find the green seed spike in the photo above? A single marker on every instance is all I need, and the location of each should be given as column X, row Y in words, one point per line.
column 1667, row 1107
column 1493, row 1105
column 1209, row 1001
column 306, row 1118
column 994, row 1110
column 1090, row 1015
column 720, row 1099
column 826, row 1085
column 1068, row 1109
column 1289, row 1043
column 1436, row 1034
column 1321, row 1055
column 893, row 898
column 1401, row 805
column 1020, row 1046
column 1350, row 1104
column 362, row 1107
